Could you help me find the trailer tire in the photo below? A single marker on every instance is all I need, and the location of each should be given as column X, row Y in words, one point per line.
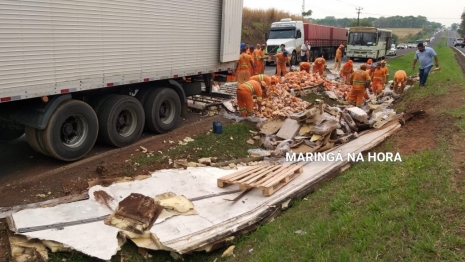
column 71, row 131
column 10, row 132
column 35, row 140
column 162, row 110
column 121, row 120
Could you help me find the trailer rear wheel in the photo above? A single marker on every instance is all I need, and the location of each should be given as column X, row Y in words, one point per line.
column 71, row 131
column 162, row 110
column 121, row 120
column 10, row 131
column 35, row 140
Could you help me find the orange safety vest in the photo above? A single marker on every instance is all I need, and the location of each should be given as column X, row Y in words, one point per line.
column 244, row 61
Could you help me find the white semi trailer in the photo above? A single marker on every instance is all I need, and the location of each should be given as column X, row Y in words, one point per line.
column 75, row 71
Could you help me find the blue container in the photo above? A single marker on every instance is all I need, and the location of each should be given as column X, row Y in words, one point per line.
column 217, row 128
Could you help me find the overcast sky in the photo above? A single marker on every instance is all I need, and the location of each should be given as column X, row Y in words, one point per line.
column 445, row 12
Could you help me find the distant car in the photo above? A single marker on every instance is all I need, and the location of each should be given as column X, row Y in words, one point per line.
column 458, row 42
column 393, row 51
column 410, row 45
column 401, row 46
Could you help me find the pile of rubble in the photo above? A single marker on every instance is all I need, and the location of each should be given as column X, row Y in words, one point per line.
column 321, row 127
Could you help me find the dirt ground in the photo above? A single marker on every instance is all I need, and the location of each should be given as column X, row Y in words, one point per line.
column 419, row 134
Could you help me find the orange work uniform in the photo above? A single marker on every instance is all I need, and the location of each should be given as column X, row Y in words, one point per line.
column 281, row 64
column 305, row 66
column 338, row 54
column 346, row 71
column 359, row 79
column 245, row 93
column 319, row 65
column 243, row 68
column 378, row 77
column 257, row 63
column 262, row 77
column 386, row 73
column 262, row 60
column 400, row 77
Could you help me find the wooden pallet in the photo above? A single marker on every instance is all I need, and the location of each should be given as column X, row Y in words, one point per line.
column 268, row 178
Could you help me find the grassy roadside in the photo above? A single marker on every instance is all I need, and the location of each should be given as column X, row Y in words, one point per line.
column 409, row 211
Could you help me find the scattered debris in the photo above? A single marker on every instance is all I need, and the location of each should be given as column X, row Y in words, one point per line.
column 23, row 249
column 100, row 170
column 205, row 161
column 250, row 142
column 136, row 213
column 300, row 232
column 228, row 252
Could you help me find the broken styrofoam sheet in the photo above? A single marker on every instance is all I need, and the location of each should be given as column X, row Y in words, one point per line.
column 217, row 218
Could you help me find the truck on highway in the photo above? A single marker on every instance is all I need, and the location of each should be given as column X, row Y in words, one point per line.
column 73, row 72
column 368, row 42
column 324, row 40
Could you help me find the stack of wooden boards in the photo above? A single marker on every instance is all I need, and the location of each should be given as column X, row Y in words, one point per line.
column 269, row 178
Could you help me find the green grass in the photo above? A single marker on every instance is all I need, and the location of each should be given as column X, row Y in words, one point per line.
column 231, row 144
column 437, row 82
column 405, row 211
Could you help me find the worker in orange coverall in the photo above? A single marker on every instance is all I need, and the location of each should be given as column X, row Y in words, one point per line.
column 281, row 61
column 337, row 59
column 245, row 93
column 378, row 77
column 266, row 78
column 359, row 80
column 319, row 65
column 346, row 71
column 400, row 78
column 305, row 66
column 386, row 71
column 243, row 68
column 257, row 59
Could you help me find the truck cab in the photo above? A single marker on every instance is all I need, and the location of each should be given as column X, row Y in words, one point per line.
column 289, row 33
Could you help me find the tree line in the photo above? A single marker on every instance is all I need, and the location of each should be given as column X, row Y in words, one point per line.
column 461, row 28
column 382, row 22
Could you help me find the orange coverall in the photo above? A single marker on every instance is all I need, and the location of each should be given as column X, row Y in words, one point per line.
column 257, row 63
column 262, row 77
column 346, row 71
column 378, row 77
column 245, row 93
column 305, row 66
column 386, row 73
column 262, row 60
column 337, row 59
column 281, row 64
column 319, row 65
column 359, row 79
column 243, row 68
column 400, row 77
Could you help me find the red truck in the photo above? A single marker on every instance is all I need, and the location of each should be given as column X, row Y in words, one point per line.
column 324, row 40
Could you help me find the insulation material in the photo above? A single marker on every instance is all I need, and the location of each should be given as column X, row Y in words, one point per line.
column 217, row 219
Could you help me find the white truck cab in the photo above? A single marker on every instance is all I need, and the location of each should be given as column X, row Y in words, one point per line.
column 287, row 32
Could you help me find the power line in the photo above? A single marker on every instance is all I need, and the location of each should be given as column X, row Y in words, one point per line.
column 346, row 3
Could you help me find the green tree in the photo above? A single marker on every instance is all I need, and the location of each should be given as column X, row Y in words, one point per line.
column 461, row 29
column 363, row 22
column 454, row 26
column 307, row 14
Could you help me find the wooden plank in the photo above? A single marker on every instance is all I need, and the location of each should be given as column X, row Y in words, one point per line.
column 239, row 173
column 270, row 190
column 294, row 170
column 6, row 211
column 236, row 161
column 270, row 175
column 254, row 177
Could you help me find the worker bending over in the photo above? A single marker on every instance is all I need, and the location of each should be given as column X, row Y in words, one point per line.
column 346, row 71
column 244, row 66
column 245, row 93
column 281, row 61
column 378, row 77
column 319, row 65
column 265, row 78
column 359, row 80
column 305, row 66
column 400, row 78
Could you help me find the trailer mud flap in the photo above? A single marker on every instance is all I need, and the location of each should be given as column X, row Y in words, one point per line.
column 38, row 114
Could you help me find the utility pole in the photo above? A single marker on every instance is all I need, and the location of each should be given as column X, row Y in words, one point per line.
column 303, row 9
column 358, row 15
